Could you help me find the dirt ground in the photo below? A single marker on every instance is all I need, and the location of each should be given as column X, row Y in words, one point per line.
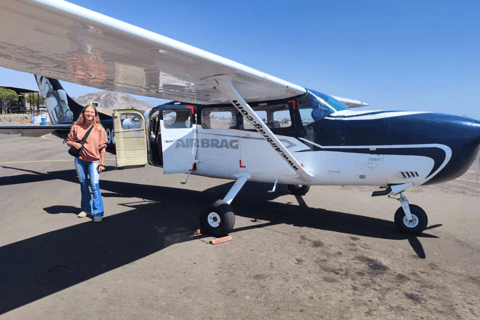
column 334, row 253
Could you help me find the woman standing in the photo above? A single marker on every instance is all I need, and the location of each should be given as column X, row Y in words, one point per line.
column 91, row 162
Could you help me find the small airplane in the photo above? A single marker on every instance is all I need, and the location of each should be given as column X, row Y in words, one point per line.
column 227, row 120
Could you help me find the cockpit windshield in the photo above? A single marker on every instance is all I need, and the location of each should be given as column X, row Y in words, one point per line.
column 319, row 106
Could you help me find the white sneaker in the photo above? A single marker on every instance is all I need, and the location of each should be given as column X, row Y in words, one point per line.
column 84, row 214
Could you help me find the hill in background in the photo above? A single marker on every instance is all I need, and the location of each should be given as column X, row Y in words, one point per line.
column 113, row 100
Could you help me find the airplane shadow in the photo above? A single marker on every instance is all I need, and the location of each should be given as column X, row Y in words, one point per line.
column 40, row 266
column 304, row 216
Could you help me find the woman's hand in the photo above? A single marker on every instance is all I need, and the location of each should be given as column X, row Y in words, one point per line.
column 77, row 145
column 101, row 167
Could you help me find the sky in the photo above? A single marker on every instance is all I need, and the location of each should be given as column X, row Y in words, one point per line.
column 394, row 55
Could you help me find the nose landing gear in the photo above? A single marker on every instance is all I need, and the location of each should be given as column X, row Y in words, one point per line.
column 409, row 218
column 416, row 224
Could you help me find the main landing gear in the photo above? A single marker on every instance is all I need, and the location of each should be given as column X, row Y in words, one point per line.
column 298, row 189
column 218, row 218
column 409, row 218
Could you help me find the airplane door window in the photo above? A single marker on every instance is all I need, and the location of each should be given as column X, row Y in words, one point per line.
column 177, row 119
column 131, row 121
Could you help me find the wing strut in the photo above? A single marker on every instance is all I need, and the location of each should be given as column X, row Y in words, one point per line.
column 224, row 84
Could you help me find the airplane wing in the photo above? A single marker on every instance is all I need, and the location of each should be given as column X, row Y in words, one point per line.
column 351, row 103
column 61, row 40
column 60, row 130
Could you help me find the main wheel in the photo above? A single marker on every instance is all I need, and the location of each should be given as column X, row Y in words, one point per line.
column 298, row 189
column 218, row 219
column 417, row 225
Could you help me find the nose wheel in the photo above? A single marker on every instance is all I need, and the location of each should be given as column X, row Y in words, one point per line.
column 416, row 224
column 409, row 218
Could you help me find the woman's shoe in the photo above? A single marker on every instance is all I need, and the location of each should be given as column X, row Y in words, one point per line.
column 83, row 214
column 97, row 218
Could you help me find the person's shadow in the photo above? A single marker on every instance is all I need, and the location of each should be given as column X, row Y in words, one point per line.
column 62, row 209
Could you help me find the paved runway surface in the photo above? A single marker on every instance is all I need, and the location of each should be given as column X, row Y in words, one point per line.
column 332, row 254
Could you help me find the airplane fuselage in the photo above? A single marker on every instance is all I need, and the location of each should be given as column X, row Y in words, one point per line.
column 348, row 147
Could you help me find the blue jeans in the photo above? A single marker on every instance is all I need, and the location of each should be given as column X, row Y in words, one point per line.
column 89, row 177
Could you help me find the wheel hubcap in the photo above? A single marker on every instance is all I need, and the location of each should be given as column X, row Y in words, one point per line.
column 213, row 219
column 411, row 224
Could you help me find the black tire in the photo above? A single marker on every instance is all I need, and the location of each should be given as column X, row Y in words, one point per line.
column 419, row 223
column 219, row 212
column 298, row 189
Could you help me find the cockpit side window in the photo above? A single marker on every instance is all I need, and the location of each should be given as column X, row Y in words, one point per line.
column 305, row 110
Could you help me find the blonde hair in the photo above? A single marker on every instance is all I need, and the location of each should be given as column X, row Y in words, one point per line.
column 81, row 117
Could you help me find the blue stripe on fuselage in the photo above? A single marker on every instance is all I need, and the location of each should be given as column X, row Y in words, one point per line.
column 458, row 133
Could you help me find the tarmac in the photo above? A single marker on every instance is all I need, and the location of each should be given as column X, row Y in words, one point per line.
column 334, row 253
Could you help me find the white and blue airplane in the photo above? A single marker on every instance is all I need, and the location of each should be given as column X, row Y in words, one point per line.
column 227, row 120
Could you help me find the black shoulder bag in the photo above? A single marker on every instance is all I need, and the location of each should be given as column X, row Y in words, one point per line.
column 78, row 152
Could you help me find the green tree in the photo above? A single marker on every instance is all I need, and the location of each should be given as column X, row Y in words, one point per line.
column 33, row 98
column 8, row 94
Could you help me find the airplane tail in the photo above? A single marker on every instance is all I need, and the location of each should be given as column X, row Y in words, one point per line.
column 60, row 107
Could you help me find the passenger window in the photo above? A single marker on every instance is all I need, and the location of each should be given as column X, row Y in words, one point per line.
column 131, row 121
column 247, row 125
column 177, row 119
column 274, row 116
column 219, row 118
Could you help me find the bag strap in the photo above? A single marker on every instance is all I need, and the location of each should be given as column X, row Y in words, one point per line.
column 86, row 135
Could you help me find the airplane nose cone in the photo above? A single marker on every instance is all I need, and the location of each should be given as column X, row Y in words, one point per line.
column 474, row 137
column 462, row 136
column 458, row 138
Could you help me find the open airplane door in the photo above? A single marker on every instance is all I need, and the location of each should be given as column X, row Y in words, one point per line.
column 130, row 138
column 179, row 138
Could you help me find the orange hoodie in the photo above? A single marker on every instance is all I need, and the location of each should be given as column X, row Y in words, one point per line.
column 94, row 147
